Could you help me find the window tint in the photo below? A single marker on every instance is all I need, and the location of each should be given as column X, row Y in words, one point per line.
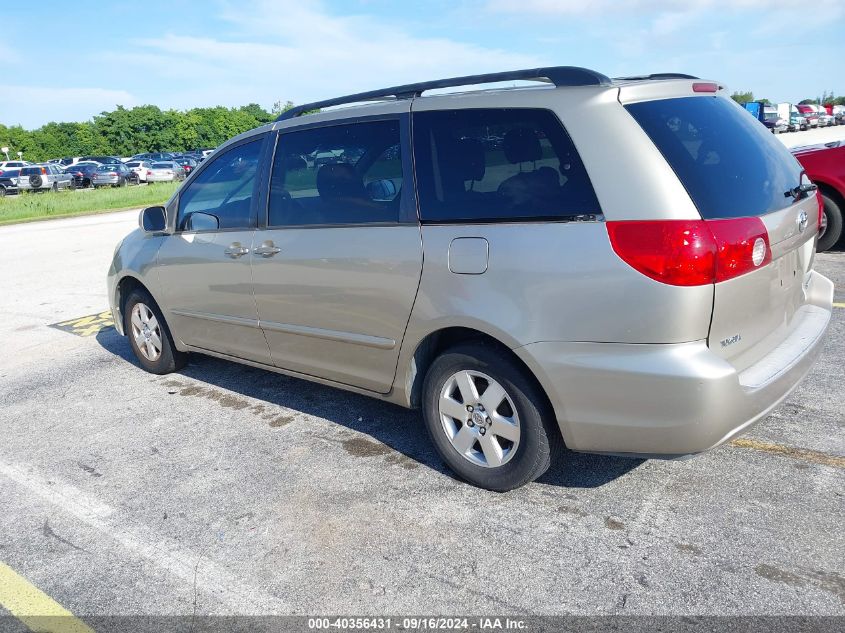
column 730, row 164
column 341, row 174
column 224, row 189
column 498, row 164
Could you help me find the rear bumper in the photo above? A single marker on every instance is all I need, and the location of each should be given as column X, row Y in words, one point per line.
column 676, row 399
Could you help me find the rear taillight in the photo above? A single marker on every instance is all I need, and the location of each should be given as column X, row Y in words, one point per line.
column 742, row 245
column 149, row 173
column 43, row 171
column 820, row 202
column 692, row 252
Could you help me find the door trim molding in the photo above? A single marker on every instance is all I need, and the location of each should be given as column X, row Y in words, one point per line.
column 218, row 318
column 332, row 335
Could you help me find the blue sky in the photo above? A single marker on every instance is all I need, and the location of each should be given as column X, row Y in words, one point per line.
column 180, row 54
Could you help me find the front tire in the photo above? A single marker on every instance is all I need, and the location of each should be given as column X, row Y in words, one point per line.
column 833, row 230
column 487, row 418
column 150, row 336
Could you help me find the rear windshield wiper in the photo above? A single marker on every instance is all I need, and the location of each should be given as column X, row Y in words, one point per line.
column 800, row 191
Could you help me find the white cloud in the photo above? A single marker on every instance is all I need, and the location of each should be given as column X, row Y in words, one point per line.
column 32, row 106
column 581, row 7
column 299, row 51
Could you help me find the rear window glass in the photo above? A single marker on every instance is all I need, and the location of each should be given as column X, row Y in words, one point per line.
column 29, row 171
column 487, row 165
column 163, row 165
column 730, row 164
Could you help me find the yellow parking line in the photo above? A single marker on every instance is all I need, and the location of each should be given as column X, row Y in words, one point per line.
column 815, row 457
column 839, row 305
column 33, row 607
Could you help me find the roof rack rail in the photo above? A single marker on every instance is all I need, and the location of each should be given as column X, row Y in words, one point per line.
column 657, row 76
column 558, row 75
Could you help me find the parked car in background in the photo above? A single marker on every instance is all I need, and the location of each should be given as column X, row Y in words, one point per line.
column 9, row 182
column 153, row 156
column 825, row 166
column 798, row 121
column 838, row 111
column 188, row 164
column 165, row 171
column 826, row 120
column 82, row 173
column 105, row 160
column 13, row 164
column 773, row 121
column 810, row 114
column 44, row 178
column 118, row 175
column 140, row 167
column 648, row 292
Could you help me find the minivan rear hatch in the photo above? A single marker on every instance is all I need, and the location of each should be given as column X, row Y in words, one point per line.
column 741, row 178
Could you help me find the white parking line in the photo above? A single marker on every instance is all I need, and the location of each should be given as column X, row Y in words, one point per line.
column 165, row 553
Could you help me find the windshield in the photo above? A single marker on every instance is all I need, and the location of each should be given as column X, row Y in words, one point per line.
column 730, row 165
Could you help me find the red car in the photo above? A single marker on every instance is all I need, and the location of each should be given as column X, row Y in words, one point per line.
column 825, row 166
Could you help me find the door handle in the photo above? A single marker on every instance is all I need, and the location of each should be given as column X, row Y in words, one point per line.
column 267, row 249
column 235, row 250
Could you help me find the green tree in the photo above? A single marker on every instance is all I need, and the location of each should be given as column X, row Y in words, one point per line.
column 123, row 132
column 742, row 97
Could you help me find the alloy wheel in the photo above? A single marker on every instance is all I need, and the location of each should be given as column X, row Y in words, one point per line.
column 146, row 331
column 479, row 418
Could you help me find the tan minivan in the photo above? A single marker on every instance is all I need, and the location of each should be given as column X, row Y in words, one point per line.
column 621, row 266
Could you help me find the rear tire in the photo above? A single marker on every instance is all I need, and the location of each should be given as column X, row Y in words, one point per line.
column 509, row 437
column 149, row 335
column 833, row 215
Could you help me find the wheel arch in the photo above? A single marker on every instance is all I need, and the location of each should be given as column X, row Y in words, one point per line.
column 123, row 288
column 831, row 191
column 436, row 342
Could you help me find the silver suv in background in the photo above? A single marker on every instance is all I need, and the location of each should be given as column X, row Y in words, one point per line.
column 44, row 178
column 623, row 266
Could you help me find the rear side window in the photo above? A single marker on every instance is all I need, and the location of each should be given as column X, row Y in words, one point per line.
column 224, row 189
column 339, row 174
column 498, row 165
column 731, row 165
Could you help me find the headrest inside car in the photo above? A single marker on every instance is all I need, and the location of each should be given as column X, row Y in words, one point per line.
column 339, row 180
column 521, row 145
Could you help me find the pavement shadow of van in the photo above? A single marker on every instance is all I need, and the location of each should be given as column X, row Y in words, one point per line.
column 397, row 428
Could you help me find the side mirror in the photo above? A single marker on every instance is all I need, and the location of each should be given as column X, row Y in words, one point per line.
column 198, row 221
column 381, row 190
column 153, row 220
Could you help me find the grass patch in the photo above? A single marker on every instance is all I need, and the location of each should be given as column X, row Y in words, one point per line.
column 28, row 206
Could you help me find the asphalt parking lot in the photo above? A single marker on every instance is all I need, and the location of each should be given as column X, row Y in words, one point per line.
column 230, row 490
